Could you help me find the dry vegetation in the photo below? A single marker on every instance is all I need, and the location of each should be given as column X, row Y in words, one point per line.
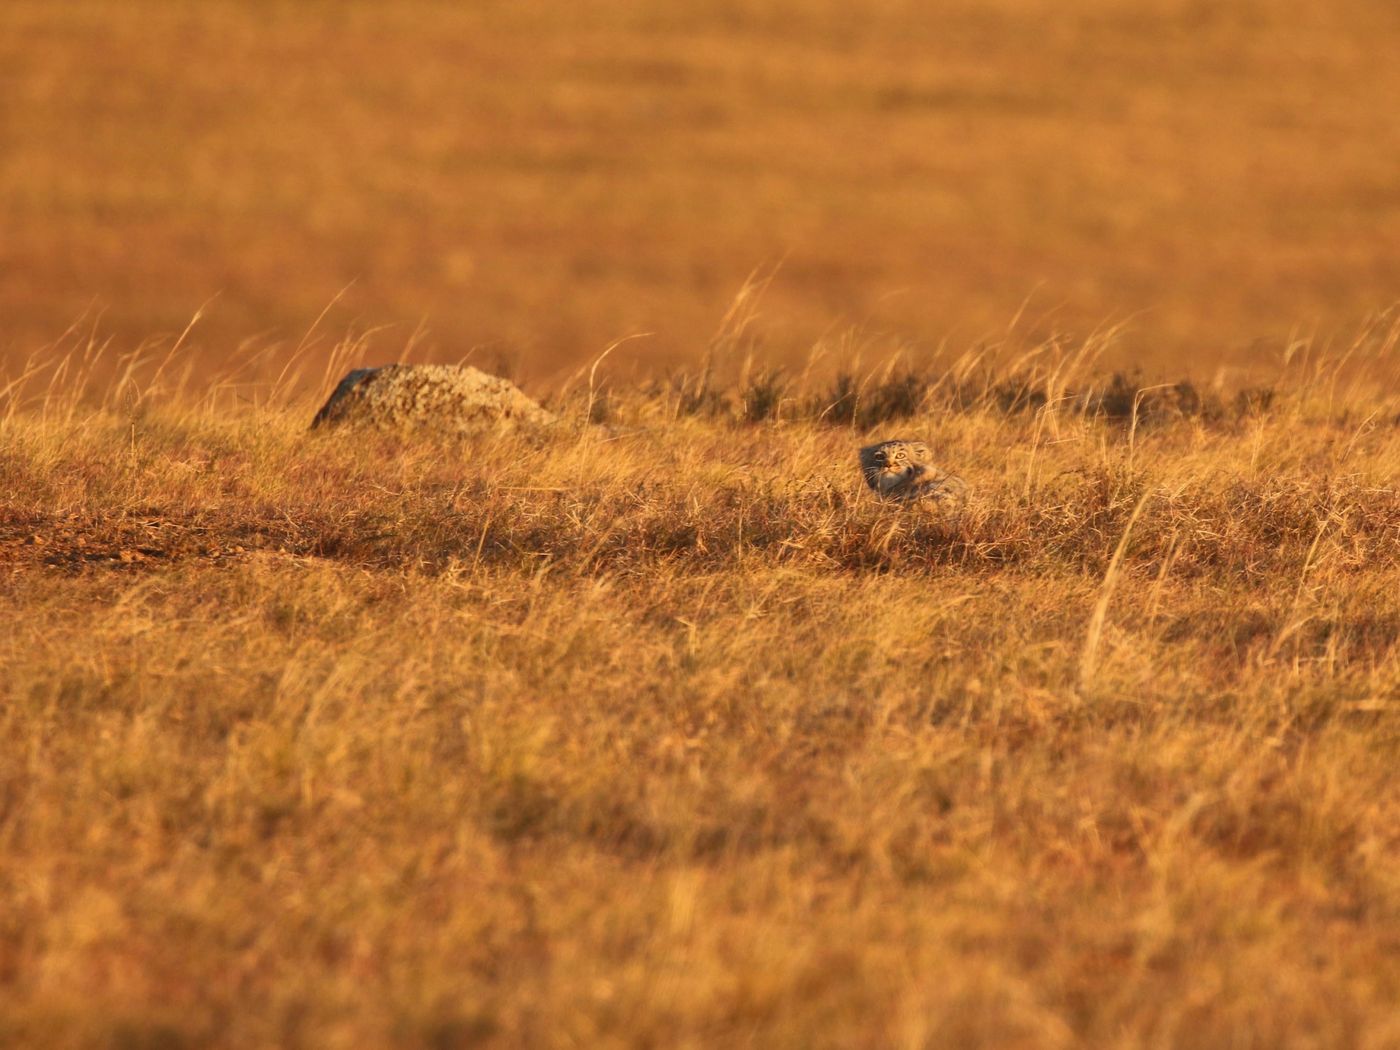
column 539, row 177
column 656, row 730
column 664, row 733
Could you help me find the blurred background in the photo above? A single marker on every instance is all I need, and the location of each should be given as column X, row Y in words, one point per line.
column 528, row 181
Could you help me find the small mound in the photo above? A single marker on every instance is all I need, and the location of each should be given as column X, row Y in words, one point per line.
column 453, row 399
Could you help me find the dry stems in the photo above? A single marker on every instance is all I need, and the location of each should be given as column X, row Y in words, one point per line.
column 666, row 734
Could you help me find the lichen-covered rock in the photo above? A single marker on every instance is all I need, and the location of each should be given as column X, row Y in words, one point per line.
column 452, row 399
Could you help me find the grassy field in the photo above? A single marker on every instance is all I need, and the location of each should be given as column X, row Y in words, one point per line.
column 537, row 178
column 657, row 730
column 662, row 732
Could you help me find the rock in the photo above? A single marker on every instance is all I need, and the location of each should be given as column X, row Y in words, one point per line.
column 451, row 399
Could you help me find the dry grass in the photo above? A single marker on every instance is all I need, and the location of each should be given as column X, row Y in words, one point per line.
column 665, row 734
column 535, row 178
column 660, row 732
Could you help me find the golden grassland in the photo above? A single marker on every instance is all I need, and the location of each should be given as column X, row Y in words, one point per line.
column 537, row 178
column 656, row 729
column 662, row 732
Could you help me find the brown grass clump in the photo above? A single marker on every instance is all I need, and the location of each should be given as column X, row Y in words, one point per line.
column 666, row 734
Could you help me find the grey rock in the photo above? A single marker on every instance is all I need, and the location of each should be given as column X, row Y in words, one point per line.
column 452, row 399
